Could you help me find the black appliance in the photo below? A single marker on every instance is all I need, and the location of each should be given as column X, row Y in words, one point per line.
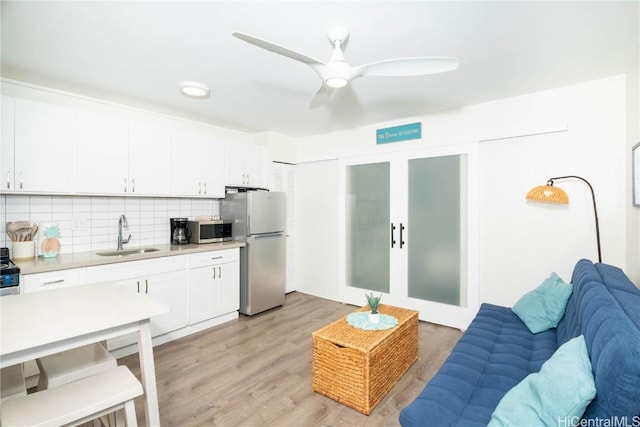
column 210, row 231
column 180, row 234
column 9, row 274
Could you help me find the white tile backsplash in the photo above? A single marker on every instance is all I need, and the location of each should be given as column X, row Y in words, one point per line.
column 88, row 224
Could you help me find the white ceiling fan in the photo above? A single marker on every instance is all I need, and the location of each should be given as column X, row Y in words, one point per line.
column 337, row 73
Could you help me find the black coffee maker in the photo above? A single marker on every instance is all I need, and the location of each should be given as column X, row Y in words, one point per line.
column 180, row 234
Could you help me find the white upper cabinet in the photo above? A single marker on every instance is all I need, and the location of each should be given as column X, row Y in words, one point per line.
column 150, row 167
column 102, row 154
column 109, row 151
column 245, row 165
column 198, row 170
column 119, row 156
column 37, row 147
column 6, row 145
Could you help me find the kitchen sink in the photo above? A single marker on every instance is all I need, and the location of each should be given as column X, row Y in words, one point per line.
column 126, row 252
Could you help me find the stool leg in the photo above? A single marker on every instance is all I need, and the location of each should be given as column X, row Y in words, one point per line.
column 130, row 413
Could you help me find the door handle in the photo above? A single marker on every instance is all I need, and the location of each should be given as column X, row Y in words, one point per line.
column 401, row 240
column 393, row 241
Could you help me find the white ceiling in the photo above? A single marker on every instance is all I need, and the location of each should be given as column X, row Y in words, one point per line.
column 136, row 52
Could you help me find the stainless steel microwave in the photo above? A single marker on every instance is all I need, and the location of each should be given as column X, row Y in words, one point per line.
column 209, row 231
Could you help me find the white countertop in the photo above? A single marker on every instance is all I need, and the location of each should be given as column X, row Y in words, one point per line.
column 89, row 259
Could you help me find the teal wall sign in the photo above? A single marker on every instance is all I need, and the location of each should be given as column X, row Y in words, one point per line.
column 399, row 133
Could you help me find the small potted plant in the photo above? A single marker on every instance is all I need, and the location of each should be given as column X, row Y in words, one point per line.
column 374, row 302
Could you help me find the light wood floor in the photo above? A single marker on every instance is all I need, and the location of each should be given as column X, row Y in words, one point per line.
column 256, row 371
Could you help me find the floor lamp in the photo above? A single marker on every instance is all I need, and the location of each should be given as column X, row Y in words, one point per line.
column 550, row 194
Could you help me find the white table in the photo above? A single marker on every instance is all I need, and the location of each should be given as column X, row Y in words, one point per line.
column 41, row 323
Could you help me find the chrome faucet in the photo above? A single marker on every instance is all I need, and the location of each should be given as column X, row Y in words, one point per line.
column 122, row 221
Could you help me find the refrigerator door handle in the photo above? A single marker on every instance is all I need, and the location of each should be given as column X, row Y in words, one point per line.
column 262, row 236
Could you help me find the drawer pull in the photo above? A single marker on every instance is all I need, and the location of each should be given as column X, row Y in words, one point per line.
column 53, row 282
column 216, row 257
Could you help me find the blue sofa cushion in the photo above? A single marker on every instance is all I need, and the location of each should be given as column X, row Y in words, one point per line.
column 605, row 308
column 495, row 353
column 556, row 395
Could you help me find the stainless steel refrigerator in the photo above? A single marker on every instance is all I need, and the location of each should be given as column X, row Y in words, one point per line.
column 259, row 219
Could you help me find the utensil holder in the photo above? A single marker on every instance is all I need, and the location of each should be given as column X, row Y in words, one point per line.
column 22, row 250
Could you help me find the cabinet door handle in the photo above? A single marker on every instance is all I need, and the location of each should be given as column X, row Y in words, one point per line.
column 199, row 188
column 8, row 180
column 21, row 180
column 133, row 185
column 401, row 240
column 214, row 272
column 393, row 240
column 53, row 282
column 205, row 188
column 219, row 272
column 146, row 286
column 125, row 185
column 138, row 282
column 248, row 179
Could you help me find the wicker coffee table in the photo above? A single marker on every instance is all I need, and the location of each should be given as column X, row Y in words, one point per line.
column 358, row 367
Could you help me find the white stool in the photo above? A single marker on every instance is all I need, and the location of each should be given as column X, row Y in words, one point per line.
column 72, row 365
column 76, row 402
column 12, row 382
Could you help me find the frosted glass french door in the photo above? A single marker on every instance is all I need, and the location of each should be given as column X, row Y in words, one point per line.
column 407, row 233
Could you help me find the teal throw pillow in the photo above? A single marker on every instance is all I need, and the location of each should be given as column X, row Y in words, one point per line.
column 543, row 307
column 557, row 395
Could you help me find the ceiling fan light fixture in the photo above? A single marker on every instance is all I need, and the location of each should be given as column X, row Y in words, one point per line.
column 336, row 82
column 194, row 89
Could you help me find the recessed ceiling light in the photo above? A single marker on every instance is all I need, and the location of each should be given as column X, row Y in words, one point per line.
column 194, row 89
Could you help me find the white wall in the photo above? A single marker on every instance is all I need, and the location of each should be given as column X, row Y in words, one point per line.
column 633, row 137
column 316, row 226
column 575, row 130
column 280, row 148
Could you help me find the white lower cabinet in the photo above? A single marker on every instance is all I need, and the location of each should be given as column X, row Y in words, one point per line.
column 202, row 289
column 52, row 280
column 164, row 279
column 214, row 284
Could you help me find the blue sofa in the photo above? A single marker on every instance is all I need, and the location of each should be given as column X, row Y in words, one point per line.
column 497, row 351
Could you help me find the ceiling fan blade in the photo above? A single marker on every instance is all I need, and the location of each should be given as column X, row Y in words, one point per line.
column 406, row 67
column 276, row 49
column 322, row 95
